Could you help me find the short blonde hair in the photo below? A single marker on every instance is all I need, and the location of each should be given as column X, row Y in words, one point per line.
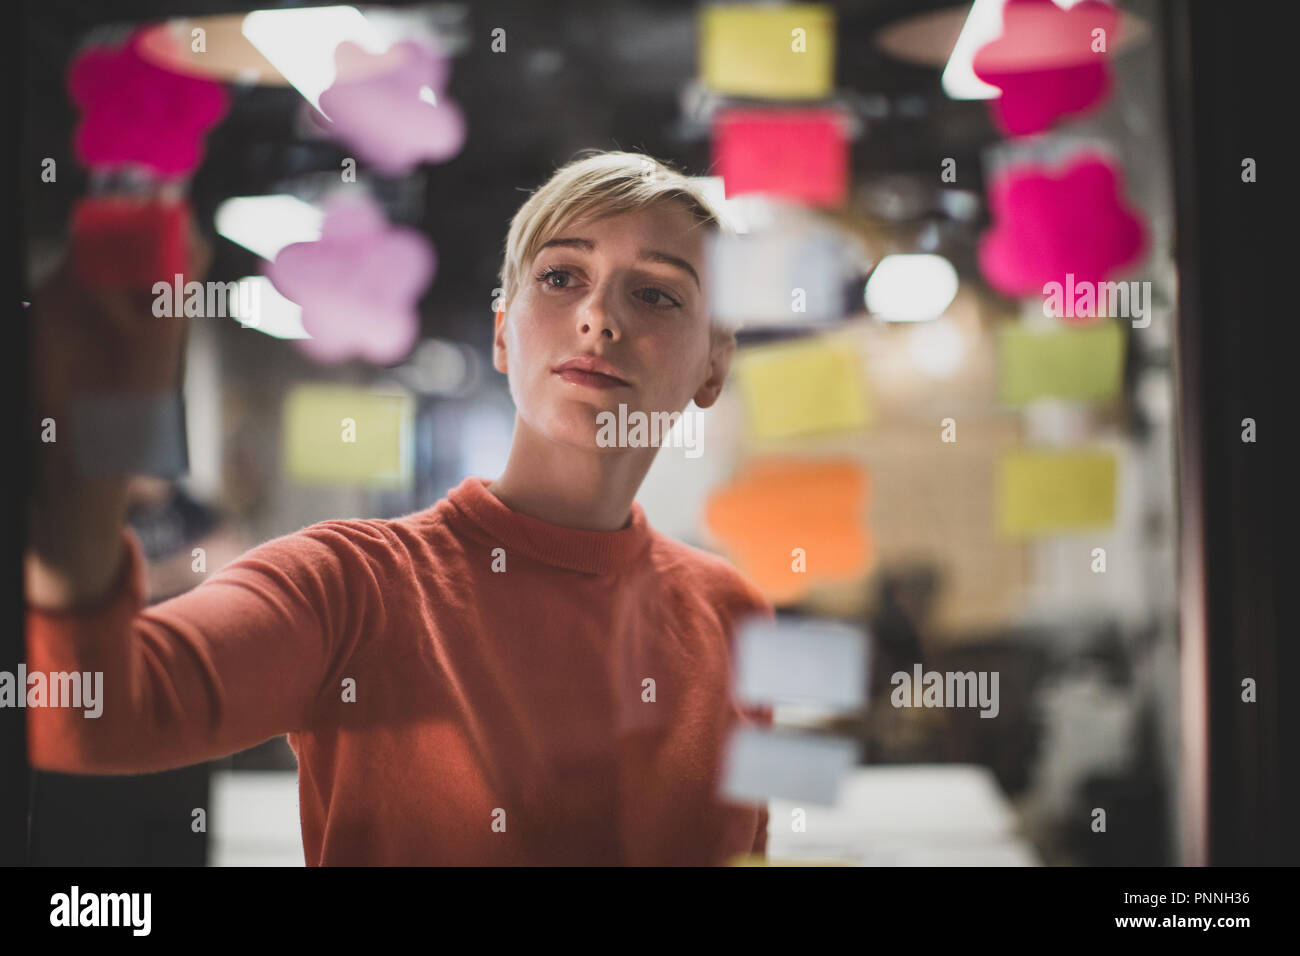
column 607, row 182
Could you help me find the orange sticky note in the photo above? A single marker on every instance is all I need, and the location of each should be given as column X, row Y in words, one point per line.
column 790, row 524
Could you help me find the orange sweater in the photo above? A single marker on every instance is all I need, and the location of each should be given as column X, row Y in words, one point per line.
column 463, row 685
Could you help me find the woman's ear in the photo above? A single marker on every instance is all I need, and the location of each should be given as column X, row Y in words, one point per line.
column 499, row 342
column 721, row 349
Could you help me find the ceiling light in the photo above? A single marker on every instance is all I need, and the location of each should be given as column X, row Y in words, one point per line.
column 301, row 43
column 266, row 224
column 911, row 288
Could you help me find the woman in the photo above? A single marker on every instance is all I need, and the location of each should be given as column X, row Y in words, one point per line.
column 524, row 672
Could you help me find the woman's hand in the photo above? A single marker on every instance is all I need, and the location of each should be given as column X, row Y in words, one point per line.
column 87, row 342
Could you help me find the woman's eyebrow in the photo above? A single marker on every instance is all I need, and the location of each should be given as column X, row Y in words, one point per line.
column 646, row 255
column 586, row 244
column 653, row 255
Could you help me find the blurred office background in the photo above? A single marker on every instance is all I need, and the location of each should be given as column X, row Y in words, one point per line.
column 998, row 487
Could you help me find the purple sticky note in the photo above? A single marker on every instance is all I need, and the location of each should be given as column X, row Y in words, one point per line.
column 358, row 285
column 393, row 110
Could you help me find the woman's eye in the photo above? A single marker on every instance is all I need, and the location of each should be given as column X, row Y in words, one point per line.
column 659, row 298
column 555, row 278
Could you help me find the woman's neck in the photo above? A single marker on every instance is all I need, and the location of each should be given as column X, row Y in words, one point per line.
column 585, row 489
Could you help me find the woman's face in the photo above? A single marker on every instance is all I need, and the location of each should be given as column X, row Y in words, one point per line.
column 624, row 294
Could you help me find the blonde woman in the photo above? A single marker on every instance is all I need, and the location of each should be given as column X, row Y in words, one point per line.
column 525, row 672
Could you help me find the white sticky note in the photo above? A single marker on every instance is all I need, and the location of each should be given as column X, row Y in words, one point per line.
column 818, row 662
column 129, row 434
column 783, row 278
column 764, row 765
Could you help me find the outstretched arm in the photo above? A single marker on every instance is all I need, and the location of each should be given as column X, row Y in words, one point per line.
column 243, row 657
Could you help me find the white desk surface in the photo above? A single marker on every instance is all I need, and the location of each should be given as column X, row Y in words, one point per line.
column 906, row 815
column 892, row 815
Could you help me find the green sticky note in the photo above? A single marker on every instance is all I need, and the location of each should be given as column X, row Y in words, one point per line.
column 1052, row 492
column 335, row 435
column 1082, row 364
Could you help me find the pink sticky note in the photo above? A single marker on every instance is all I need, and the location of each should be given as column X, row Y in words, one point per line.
column 358, row 285
column 796, row 154
column 136, row 112
column 1050, row 223
column 397, row 114
column 1048, row 62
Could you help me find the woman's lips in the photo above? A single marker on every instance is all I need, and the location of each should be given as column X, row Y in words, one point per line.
column 590, row 379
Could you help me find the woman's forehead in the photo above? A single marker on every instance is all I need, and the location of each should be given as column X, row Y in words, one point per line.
column 663, row 224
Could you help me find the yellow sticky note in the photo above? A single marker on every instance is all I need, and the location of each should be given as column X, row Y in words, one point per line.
column 802, row 388
column 1083, row 364
column 1051, row 492
column 348, row 436
column 782, row 52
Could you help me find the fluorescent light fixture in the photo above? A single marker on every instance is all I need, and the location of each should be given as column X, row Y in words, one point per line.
column 274, row 314
column 983, row 25
column 300, row 43
column 911, row 288
column 266, row 224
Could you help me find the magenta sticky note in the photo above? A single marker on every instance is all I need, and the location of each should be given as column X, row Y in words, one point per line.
column 395, row 112
column 133, row 112
column 358, row 285
column 1052, row 222
column 1048, row 62
column 801, row 155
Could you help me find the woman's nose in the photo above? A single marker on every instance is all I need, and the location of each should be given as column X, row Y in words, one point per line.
column 595, row 319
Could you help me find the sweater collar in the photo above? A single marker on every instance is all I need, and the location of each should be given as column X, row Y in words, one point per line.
column 591, row 552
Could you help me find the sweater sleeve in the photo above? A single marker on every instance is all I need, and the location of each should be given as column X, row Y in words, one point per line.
column 241, row 658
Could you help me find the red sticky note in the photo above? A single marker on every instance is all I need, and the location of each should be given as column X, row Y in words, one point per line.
column 128, row 243
column 796, row 154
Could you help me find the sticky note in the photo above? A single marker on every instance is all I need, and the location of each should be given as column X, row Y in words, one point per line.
column 785, row 278
column 348, row 436
column 1071, row 218
column 1055, row 491
column 121, row 243
column 135, row 112
column 778, row 51
column 129, row 434
column 790, row 524
column 1047, row 63
column 801, row 155
column 802, row 387
column 1081, row 363
column 359, row 284
column 805, row 661
column 763, row 765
